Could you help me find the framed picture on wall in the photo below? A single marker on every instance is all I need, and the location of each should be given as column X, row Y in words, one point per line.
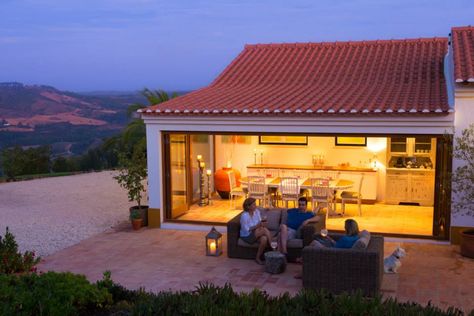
column 282, row 140
column 351, row 141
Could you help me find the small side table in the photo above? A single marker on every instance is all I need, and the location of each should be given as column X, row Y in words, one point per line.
column 275, row 262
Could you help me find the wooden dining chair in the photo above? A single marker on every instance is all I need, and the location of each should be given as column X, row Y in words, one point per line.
column 257, row 189
column 234, row 189
column 321, row 194
column 351, row 196
column 289, row 190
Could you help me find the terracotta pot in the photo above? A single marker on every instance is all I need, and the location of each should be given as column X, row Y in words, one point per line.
column 221, row 181
column 137, row 223
column 467, row 243
column 143, row 213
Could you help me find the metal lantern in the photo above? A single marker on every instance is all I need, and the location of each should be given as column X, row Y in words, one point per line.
column 213, row 243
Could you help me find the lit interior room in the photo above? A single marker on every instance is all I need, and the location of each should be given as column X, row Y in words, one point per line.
column 386, row 183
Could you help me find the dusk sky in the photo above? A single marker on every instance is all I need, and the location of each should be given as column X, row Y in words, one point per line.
column 91, row 45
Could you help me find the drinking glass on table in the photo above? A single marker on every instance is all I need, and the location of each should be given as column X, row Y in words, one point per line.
column 274, row 245
column 264, row 220
column 324, row 232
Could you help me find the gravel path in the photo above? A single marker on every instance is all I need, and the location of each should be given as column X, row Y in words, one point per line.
column 47, row 215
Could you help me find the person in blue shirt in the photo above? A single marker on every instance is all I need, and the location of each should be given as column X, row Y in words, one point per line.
column 352, row 235
column 347, row 241
column 297, row 217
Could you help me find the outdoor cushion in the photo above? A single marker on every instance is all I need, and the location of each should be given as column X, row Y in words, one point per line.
column 295, row 243
column 363, row 241
column 284, row 216
column 349, row 194
column 273, row 219
column 242, row 243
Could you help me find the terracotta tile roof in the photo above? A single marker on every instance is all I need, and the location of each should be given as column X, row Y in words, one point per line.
column 463, row 51
column 368, row 77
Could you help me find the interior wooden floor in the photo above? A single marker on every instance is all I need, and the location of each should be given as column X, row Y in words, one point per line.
column 394, row 219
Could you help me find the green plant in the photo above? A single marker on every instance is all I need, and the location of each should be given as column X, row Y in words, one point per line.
column 13, row 261
column 463, row 175
column 133, row 171
column 135, row 214
column 51, row 293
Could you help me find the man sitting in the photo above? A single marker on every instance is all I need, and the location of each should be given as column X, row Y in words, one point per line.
column 297, row 217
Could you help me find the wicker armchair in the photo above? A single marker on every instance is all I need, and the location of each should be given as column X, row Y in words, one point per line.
column 344, row 270
column 237, row 248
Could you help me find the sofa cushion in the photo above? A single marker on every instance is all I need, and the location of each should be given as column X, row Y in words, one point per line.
column 242, row 243
column 363, row 241
column 295, row 243
column 284, row 216
column 273, row 218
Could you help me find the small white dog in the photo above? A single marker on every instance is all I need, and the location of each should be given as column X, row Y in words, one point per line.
column 392, row 262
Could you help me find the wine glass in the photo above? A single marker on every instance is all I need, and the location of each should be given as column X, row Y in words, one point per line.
column 274, row 245
column 324, row 232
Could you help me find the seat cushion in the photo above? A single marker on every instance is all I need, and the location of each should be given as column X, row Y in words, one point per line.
column 242, row 243
column 295, row 243
column 349, row 195
column 363, row 241
column 273, row 218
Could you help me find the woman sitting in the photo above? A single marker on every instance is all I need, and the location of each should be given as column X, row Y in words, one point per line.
column 348, row 240
column 253, row 229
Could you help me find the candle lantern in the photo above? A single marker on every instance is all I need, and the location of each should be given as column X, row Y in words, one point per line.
column 213, row 243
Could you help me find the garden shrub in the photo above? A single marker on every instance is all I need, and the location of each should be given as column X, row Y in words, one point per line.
column 51, row 293
column 68, row 294
column 13, row 261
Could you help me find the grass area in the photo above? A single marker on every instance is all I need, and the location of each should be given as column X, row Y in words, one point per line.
column 41, row 175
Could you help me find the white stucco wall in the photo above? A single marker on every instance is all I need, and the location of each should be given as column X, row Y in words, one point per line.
column 464, row 116
column 383, row 125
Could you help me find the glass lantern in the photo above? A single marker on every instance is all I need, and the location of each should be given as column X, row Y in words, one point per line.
column 213, row 243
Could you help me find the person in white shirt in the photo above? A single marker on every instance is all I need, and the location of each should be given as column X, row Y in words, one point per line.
column 253, row 228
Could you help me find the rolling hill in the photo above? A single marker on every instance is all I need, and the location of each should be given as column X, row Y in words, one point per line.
column 32, row 115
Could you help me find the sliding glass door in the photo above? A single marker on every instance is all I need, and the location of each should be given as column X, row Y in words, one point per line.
column 178, row 174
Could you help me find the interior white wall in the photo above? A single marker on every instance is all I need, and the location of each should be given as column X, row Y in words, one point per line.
column 464, row 116
column 241, row 155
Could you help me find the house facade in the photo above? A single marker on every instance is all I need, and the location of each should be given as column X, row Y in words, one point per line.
column 382, row 111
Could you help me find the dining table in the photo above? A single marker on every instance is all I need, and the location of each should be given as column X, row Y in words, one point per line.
column 305, row 183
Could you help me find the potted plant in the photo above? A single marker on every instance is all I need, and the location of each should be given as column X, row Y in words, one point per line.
column 463, row 186
column 132, row 173
column 136, row 219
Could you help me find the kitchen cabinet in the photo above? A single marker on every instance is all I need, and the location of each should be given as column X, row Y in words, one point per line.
column 410, row 186
column 411, row 146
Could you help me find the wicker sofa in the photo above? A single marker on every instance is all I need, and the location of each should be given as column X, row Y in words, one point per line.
column 237, row 248
column 344, row 270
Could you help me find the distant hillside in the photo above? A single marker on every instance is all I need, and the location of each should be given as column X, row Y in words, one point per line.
column 36, row 115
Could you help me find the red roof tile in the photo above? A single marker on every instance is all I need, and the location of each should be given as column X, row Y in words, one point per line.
column 463, row 51
column 368, row 77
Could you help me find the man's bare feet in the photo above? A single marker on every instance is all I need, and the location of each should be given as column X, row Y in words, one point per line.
column 298, row 275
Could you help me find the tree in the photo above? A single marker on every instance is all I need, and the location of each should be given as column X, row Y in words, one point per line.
column 12, row 162
column 16, row 161
column 132, row 173
column 463, row 176
column 134, row 134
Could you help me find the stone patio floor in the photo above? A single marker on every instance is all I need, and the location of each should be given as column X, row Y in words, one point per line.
column 158, row 260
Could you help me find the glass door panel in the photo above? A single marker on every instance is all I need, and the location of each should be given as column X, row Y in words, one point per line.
column 178, row 168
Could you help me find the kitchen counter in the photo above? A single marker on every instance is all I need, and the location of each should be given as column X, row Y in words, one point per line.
column 411, row 169
column 302, row 167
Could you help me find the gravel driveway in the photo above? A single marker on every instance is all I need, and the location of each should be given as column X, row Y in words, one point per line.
column 50, row 214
